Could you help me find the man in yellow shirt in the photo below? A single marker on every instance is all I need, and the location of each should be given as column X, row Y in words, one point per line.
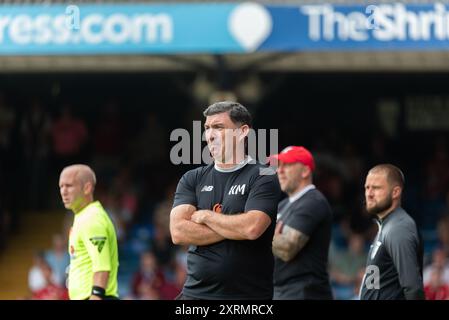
column 92, row 241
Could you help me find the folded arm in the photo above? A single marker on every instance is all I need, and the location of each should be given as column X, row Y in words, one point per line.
column 243, row 226
column 184, row 231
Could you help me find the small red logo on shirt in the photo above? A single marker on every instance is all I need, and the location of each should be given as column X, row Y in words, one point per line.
column 217, row 208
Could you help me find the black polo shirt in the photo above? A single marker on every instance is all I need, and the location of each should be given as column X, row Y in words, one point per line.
column 306, row 276
column 231, row 269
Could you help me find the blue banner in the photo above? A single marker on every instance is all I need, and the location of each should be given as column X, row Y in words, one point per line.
column 116, row 29
column 385, row 27
column 219, row 28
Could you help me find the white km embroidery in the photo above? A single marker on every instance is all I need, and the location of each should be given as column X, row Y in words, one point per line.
column 237, row 189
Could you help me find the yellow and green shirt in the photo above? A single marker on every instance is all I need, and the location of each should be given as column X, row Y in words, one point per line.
column 92, row 248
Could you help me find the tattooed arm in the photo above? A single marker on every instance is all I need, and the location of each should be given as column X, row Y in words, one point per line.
column 287, row 242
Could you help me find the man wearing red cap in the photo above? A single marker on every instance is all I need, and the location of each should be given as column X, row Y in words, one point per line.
column 303, row 231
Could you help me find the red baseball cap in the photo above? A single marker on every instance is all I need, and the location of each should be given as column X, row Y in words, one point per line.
column 294, row 154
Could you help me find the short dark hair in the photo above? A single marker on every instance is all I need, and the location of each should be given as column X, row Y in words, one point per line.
column 394, row 174
column 238, row 113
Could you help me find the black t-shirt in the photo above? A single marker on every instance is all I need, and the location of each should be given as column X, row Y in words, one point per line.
column 395, row 261
column 231, row 269
column 312, row 215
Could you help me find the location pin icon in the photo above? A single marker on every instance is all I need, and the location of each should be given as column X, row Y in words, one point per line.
column 250, row 24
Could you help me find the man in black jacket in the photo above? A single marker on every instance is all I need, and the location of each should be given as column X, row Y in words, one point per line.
column 395, row 260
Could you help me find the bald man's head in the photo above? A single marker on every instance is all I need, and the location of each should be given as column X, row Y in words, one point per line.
column 83, row 174
column 76, row 185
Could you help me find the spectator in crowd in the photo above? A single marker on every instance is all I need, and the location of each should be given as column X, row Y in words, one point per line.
column 161, row 216
column 435, row 184
column 108, row 140
column 180, row 262
column 111, row 201
column 58, row 259
column 69, row 136
column 161, row 246
column 148, row 272
column 437, row 169
column 346, row 264
column 436, row 288
column 36, row 276
column 150, row 283
column 50, row 289
column 146, row 291
column 149, row 148
column 121, row 200
column 357, row 283
column 332, row 186
column 440, row 262
column 352, row 163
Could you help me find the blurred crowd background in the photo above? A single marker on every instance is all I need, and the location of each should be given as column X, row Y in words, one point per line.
column 120, row 125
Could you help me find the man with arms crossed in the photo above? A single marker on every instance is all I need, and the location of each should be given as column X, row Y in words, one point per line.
column 226, row 212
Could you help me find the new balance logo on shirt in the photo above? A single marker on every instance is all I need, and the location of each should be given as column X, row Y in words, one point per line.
column 207, row 188
column 237, row 189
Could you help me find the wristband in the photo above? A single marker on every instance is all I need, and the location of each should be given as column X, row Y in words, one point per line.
column 99, row 292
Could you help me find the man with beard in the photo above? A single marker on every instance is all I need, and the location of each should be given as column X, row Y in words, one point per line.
column 395, row 260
